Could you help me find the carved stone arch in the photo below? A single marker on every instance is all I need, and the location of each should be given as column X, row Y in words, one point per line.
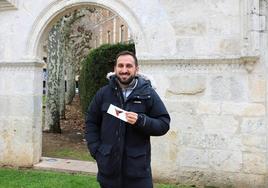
column 57, row 9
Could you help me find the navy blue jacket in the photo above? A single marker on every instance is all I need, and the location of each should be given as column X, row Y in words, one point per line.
column 122, row 150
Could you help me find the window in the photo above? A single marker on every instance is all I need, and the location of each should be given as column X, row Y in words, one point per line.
column 122, row 28
column 108, row 36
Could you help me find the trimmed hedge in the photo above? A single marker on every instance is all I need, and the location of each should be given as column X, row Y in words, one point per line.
column 95, row 67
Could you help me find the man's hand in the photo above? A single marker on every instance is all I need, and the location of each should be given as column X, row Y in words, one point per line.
column 131, row 117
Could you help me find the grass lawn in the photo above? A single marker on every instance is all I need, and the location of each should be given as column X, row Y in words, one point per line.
column 12, row 178
column 69, row 153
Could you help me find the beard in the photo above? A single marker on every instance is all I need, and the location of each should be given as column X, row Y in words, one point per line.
column 127, row 81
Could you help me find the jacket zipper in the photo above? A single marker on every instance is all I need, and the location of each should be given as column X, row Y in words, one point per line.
column 119, row 95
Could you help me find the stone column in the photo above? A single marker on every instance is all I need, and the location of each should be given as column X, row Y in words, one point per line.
column 101, row 35
column 114, row 30
column 20, row 113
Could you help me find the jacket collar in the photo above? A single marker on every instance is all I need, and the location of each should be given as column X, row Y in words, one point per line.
column 141, row 89
column 146, row 78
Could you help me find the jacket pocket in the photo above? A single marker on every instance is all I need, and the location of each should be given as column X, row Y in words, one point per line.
column 107, row 163
column 138, row 108
column 139, row 103
column 137, row 164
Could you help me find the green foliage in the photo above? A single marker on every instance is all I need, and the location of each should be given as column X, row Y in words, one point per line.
column 98, row 63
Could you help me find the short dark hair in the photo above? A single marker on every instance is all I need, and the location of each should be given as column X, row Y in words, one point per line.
column 126, row 53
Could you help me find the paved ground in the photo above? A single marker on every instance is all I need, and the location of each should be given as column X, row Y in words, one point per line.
column 67, row 165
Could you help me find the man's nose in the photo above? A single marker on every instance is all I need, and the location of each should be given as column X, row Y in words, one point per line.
column 124, row 69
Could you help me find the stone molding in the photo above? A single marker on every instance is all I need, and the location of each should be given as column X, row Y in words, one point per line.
column 7, row 66
column 242, row 64
column 8, row 5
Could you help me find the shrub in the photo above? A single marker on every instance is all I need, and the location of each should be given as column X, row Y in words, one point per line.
column 98, row 63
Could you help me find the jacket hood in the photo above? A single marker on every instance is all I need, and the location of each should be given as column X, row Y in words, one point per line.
column 147, row 78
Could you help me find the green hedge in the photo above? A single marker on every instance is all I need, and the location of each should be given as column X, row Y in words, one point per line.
column 98, row 63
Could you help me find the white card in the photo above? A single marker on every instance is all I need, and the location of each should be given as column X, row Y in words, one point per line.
column 117, row 112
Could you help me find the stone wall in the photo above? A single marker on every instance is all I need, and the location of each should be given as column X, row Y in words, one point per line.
column 20, row 113
column 213, row 28
column 218, row 125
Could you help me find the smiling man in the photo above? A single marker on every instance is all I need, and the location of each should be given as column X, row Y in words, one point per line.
column 122, row 149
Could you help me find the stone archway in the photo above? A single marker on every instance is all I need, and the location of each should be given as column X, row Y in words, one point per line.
column 55, row 10
column 21, row 64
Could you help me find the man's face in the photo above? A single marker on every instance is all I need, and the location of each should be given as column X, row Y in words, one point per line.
column 125, row 69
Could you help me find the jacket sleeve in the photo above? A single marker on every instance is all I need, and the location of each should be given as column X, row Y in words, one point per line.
column 93, row 124
column 156, row 121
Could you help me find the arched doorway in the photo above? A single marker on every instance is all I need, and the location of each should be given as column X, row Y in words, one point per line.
column 54, row 11
column 51, row 14
column 69, row 43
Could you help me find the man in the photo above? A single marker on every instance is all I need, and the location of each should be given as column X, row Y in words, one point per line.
column 122, row 149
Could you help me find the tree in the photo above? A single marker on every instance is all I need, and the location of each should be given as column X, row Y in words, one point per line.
column 64, row 56
column 53, row 84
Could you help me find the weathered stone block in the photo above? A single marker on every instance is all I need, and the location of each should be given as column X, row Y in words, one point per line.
column 206, row 107
column 229, row 46
column 228, row 88
column 257, row 89
column 187, row 85
column 248, row 180
column 191, row 176
column 197, row 158
column 211, row 141
column 184, row 107
column 221, row 179
column 227, row 7
column 251, row 143
column 190, row 29
column 223, row 26
column 243, row 109
column 161, row 82
column 201, row 140
column 1, row 149
column 17, row 138
column 220, row 124
column 21, row 106
column 3, row 127
column 5, row 106
column 254, row 163
column 186, row 123
column 26, row 86
column 226, row 160
column 171, row 148
column 17, row 80
column 2, row 84
column 253, row 126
